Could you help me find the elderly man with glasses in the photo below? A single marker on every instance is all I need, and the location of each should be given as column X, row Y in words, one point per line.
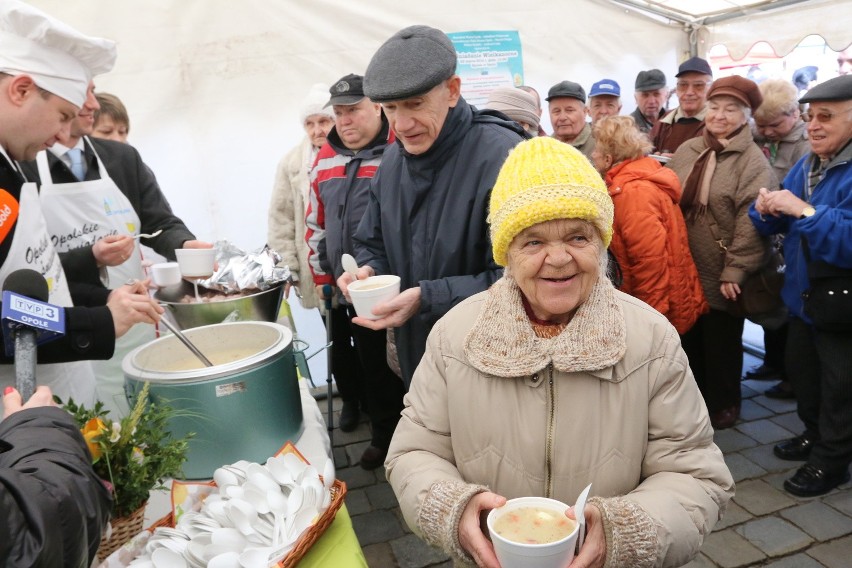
column 815, row 212
column 694, row 78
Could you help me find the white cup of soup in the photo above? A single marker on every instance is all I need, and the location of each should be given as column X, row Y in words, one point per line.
column 533, row 532
column 371, row 291
column 196, row 263
column 165, row 274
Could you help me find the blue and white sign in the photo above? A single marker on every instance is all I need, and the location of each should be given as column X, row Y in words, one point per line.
column 20, row 311
column 487, row 60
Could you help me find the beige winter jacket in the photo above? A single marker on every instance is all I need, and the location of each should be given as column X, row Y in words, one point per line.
column 610, row 401
column 741, row 170
column 286, row 224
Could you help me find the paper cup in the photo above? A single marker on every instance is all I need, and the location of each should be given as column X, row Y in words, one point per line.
column 511, row 554
column 372, row 291
column 165, row 274
column 196, row 263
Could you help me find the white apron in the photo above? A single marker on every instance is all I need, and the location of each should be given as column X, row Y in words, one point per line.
column 31, row 248
column 79, row 214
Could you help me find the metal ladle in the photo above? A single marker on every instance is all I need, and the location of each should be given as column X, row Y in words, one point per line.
column 185, row 340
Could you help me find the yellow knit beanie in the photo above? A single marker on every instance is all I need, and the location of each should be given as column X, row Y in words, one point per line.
column 542, row 180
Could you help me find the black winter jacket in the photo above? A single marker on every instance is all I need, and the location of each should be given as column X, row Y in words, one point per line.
column 53, row 508
column 426, row 219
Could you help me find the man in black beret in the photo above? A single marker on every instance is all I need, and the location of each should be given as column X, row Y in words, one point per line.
column 426, row 219
column 815, row 209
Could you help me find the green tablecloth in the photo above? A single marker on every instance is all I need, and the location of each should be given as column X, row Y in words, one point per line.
column 338, row 546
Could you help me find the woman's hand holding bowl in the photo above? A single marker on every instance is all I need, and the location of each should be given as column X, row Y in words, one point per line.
column 471, row 537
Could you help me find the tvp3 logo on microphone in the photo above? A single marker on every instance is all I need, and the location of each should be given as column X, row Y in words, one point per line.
column 22, row 312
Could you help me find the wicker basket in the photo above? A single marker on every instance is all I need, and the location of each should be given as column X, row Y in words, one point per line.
column 123, row 529
column 307, row 540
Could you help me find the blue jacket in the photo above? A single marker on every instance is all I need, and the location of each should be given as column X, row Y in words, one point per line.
column 828, row 232
column 426, row 219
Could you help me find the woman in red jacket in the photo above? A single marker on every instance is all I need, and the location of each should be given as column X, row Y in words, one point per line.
column 649, row 234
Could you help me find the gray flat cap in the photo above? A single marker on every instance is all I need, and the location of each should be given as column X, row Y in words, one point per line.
column 410, row 63
column 650, row 80
column 567, row 89
column 837, row 89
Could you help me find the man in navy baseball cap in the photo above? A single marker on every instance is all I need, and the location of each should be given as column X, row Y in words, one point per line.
column 604, row 100
column 694, row 78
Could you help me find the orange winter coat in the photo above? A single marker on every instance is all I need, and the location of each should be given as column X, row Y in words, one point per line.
column 650, row 241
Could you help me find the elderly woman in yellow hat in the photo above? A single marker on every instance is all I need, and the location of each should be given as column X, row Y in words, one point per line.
column 552, row 380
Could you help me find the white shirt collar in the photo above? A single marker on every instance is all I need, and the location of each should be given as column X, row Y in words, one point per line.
column 60, row 149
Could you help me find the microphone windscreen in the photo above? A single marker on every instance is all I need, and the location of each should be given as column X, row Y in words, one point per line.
column 27, row 282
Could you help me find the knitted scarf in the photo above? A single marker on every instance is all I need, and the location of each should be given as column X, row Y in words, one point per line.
column 696, row 190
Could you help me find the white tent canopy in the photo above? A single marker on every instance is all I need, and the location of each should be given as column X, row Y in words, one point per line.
column 213, row 86
column 739, row 24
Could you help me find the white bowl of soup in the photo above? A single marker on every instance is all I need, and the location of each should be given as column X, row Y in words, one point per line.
column 532, row 532
column 369, row 292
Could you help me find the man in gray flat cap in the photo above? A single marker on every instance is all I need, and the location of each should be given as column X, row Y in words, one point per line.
column 814, row 211
column 651, row 95
column 567, row 106
column 426, row 219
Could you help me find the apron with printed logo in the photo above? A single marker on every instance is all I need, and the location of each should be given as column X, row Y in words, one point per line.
column 31, row 248
column 78, row 215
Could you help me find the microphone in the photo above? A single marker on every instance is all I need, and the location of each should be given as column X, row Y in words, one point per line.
column 28, row 321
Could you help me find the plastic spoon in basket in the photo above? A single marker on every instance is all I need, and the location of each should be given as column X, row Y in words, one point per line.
column 580, row 514
column 328, row 474
column 185, row 340
column 279, row 507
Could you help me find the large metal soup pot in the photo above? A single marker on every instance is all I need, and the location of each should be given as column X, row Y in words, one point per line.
column 246, row 406
column 260, row 306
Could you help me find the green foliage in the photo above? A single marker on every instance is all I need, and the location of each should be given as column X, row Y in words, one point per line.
column 136, row 454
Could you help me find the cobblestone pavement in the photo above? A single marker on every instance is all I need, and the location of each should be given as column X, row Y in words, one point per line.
column 764, row 526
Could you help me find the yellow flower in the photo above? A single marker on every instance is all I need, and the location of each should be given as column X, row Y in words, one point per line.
column 92, row 431
column 137, row 455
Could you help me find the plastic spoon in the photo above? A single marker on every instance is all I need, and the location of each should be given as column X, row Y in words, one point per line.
column 579, row 513
column 148, row 236
column 349, row 265
column 278, row 504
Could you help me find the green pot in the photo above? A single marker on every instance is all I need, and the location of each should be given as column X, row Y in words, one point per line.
column 245, row 407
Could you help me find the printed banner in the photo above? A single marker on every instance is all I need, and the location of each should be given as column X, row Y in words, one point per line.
column 488, row 59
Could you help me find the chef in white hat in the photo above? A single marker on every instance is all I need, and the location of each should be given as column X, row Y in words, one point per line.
column 45, row 70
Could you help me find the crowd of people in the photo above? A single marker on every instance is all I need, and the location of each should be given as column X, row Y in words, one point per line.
column 581, row 290
column 556, row 243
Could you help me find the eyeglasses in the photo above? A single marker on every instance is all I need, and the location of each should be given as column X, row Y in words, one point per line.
column 697, row 86
column 822, row 116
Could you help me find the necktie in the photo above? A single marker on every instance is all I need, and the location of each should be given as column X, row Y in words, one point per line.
column 76, row 157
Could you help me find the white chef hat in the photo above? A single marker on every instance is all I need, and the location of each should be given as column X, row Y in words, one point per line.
column 59, row 58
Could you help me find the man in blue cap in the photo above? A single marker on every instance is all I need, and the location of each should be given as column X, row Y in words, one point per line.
column 814, row 211
column 604, row 100
column 426, row 218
